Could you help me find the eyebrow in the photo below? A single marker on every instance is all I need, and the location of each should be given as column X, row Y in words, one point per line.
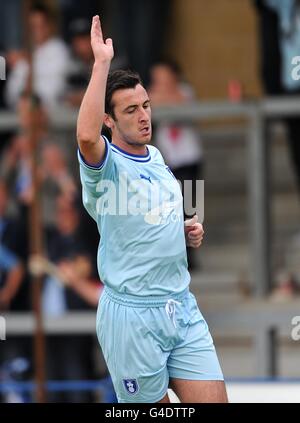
column 135, row 105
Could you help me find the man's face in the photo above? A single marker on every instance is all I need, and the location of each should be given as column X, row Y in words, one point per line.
column 163, row 78
column 40, row 27
column 132, row 112
column 82, row 47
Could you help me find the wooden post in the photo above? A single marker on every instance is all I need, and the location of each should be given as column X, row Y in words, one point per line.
column 35, row 229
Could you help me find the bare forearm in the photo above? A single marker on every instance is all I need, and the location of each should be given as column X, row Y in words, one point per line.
column 88, row 291
column 11, row 286
column 91, row 112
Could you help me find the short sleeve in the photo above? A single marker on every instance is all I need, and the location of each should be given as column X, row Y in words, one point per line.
column 156, row 155
column 92, row 175
column 8, row 260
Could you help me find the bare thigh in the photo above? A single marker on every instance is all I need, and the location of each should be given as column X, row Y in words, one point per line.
column 165, row 399
column 197, row 391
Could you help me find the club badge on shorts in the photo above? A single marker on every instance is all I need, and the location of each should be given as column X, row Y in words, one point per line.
column 131, row 386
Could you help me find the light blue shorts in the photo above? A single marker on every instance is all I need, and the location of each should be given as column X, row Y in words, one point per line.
column 147, row 341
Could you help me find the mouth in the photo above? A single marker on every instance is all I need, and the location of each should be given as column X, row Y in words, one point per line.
column 146, row 130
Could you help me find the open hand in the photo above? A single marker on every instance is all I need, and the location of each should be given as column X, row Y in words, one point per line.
column 103, row 51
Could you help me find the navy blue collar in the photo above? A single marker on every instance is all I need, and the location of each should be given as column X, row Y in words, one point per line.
column 135, row 157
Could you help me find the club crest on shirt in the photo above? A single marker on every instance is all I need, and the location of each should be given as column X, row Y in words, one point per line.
column 131, row 386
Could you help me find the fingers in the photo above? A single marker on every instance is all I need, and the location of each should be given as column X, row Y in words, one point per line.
column 109, row 42
column 96, row 31
column 192, row 221
column 196, row 232
column 195, row 236
column 194, row 243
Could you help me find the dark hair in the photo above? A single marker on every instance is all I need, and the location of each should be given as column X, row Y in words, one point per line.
column 119, row 80
column 171, row 64
column 41, row 8
column 79, row 27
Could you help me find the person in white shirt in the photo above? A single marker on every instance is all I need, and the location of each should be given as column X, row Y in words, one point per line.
column 50, row 61
column 180, row 143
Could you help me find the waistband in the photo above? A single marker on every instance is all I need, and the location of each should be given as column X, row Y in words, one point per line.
column 145, row 301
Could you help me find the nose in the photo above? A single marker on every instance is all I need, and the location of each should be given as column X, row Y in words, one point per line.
column 143, row 116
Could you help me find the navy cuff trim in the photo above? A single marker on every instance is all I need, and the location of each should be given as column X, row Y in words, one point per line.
column 99, row 165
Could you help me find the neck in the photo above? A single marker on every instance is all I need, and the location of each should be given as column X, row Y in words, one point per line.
column 130, row 148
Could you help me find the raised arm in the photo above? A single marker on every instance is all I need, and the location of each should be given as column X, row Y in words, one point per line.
column 91, row 113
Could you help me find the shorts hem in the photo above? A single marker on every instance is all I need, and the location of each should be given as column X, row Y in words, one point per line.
column 145, row 402
column 196, row 376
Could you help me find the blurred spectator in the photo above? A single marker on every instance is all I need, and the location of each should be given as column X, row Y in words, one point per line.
column 138, row 29
column 73, row 9
column 77, row 274
column 16, row 169
column 56, row 180
column 11, row 266
column 82, row 61
column 74, row 287
column 17, row 68
column 50, row 62
column 16, row 161
column 279, row 33
column 270, row 66
column 54, row 176
column 179, row 143
column 64, row 244
column 5, row 135
column 14, row 291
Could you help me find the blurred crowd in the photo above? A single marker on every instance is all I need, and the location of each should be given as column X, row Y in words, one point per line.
column 49, row 61
column 58, row 72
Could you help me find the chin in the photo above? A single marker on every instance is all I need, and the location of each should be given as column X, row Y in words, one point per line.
column 147, row 139
column 144, row 140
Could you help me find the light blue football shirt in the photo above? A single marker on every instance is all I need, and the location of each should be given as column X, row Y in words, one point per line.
column 137, row 204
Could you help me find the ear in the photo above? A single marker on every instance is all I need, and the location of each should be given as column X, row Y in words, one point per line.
column 108, row 121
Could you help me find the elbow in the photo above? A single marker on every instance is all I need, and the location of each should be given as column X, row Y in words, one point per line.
column 85, row 139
